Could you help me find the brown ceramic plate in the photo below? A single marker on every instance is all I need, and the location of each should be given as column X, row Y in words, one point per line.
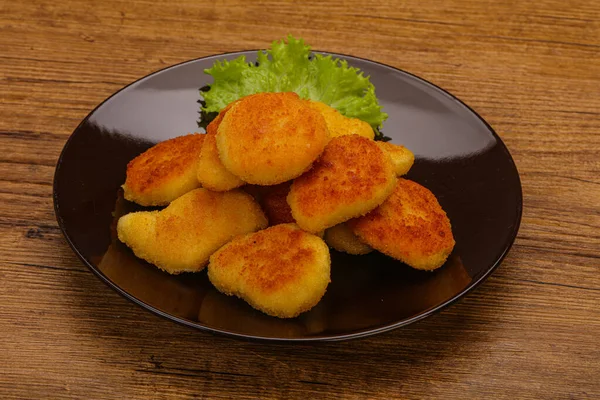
column 458, row 156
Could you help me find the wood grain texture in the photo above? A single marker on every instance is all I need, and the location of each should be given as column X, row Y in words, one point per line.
column 532, row 331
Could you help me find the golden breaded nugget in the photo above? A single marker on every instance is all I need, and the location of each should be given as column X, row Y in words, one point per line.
column 352, row 177
column 341, row 238
column 212, row 174
column 183, row 236
column 281, row 271
column 339, row 124
column 402, row 158
column 270, row 138
column 164, row 172
column 409, row 226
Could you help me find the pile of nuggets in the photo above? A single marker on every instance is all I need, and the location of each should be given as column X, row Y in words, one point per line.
column 275, row 181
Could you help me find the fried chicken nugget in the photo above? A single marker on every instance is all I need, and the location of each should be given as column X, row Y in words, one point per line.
column 409, row 226
column 282, row 271
column 211, row 172
column 351, row 178
column 164, row 172
column 270, row 138
column 402, row 158
column 339, row 124
column 341, row 238
column 182, row 237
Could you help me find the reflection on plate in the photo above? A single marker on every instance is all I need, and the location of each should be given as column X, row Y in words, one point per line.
column 458, row 157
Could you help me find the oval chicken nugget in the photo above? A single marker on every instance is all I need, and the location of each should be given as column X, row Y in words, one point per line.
column 270, row 138
column 282, row 271
column 164, row 172
column 352, row 177
column 339, row 125
column 409, row 226
column 341, row 238
column 182, row 237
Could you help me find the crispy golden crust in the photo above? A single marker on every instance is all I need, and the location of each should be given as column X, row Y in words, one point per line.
column 214, row 124
column 352, row 177
column 281, row 271
column 409, row 226
column 183, row 236
column 164, row 172
column 341, row 238
column 402, row 158
column 270, row 138
column 211, row 172
column 339, row 124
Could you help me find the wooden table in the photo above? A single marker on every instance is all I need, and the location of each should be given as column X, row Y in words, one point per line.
column 532, row 331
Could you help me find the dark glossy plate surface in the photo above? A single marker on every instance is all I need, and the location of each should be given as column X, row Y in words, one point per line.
column 458, row 157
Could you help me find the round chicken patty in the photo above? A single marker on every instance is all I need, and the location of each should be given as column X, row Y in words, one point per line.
column 270, row 138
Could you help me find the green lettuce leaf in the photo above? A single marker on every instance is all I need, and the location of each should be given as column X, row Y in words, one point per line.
column 290, row 67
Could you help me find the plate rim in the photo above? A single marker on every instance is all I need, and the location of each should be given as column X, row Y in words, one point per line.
column 316, row 338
